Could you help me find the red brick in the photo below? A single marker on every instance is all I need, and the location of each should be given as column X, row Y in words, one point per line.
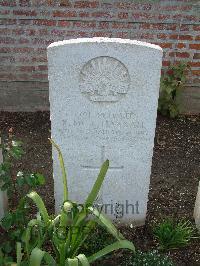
column 43, row 32
column 25, row 21
column 7, row 40
column 8, row 3
column 84, row 14
column 173, row 36
column 165, row 45
column 163, row 26
column 5, row 31
column 194, row 64
column 180, row 45
column 4, row 12
column 23, row 41
column 195, row 46
column 123, row 25
column 123, row 35
column 42, row 67
column 123, row 15
column 8, row 21
column 103, row 25
column 196, row 56
column 196, row 72
column 180, row 54
column 165, row 63
column 64, row 23
column 65, row 3
column 5, row 50
column 26, row 68
column 84, row 24
column 56, row 32
column 163, row 17
column 39, row 76
column 44, row 22
column 7, row 59
column 185, row 8
column 67, row 14
column 101, row 34
column 18, row 31
column 101, row 14
column 25, row 2
column 6, row 76
column 23, row 50
column 27, row 13
column 196, row 27
column 185, row 27
column 185, row 37
column 39, row 59
column 145, row 26
column 162, row 36
column 86, row 4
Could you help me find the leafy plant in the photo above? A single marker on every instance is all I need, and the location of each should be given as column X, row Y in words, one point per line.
column 66, row 233
column 171, row 84
column 171, row 235
column 16, row 185
column 151, row 258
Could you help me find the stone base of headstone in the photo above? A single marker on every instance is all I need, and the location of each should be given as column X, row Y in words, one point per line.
column 197, row 209
column 3, row 195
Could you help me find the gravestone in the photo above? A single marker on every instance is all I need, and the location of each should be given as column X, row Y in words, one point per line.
column 103, row 104
column 3, row 196
column 197, row 209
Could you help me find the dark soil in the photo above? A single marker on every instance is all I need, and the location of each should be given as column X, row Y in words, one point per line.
column 174, row 179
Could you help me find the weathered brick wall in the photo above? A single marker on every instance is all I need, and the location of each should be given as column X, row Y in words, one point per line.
column 27, row 27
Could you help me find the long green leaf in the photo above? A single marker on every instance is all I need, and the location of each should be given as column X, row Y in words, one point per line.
column 117, row 245
column 72, row 262
column 64, row 174
column 41, row 207
column 19, row 253
column 83, row 260
column 36, row 257
column 106, row 222
column 95, row 190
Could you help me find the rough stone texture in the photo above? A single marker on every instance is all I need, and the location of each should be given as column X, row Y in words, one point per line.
column 3, row 197
column 28, row 27
column 197, row 209
column 103, row 104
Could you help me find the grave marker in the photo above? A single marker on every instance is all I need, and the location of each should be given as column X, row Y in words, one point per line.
column 103, row 104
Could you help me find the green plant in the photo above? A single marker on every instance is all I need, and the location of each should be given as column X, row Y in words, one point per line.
column 16, row 185
column 171, row 84
column 150, row 258
column 171, row 235
column 66, row 233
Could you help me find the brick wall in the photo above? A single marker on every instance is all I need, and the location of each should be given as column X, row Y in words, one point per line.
column 27, row 27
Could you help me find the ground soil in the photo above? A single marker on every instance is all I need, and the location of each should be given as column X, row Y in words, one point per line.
column 174, row 178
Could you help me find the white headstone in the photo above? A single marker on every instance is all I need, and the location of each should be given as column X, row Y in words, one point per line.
column 103, row 104
column 3, row 196
column 197, row 209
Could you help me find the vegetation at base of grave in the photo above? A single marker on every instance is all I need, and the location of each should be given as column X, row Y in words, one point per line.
column 151, row 258
column 58, row 240
column 172, row 235
column 16, row 185
column 171, row 84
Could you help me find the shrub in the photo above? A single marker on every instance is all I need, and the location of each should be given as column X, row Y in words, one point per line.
column 171, row 84
column 151, row 258
column 171, row 235
column 16, row 185
column 65, row 234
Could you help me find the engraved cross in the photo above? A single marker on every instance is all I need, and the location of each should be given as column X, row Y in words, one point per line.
column 119, row 167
